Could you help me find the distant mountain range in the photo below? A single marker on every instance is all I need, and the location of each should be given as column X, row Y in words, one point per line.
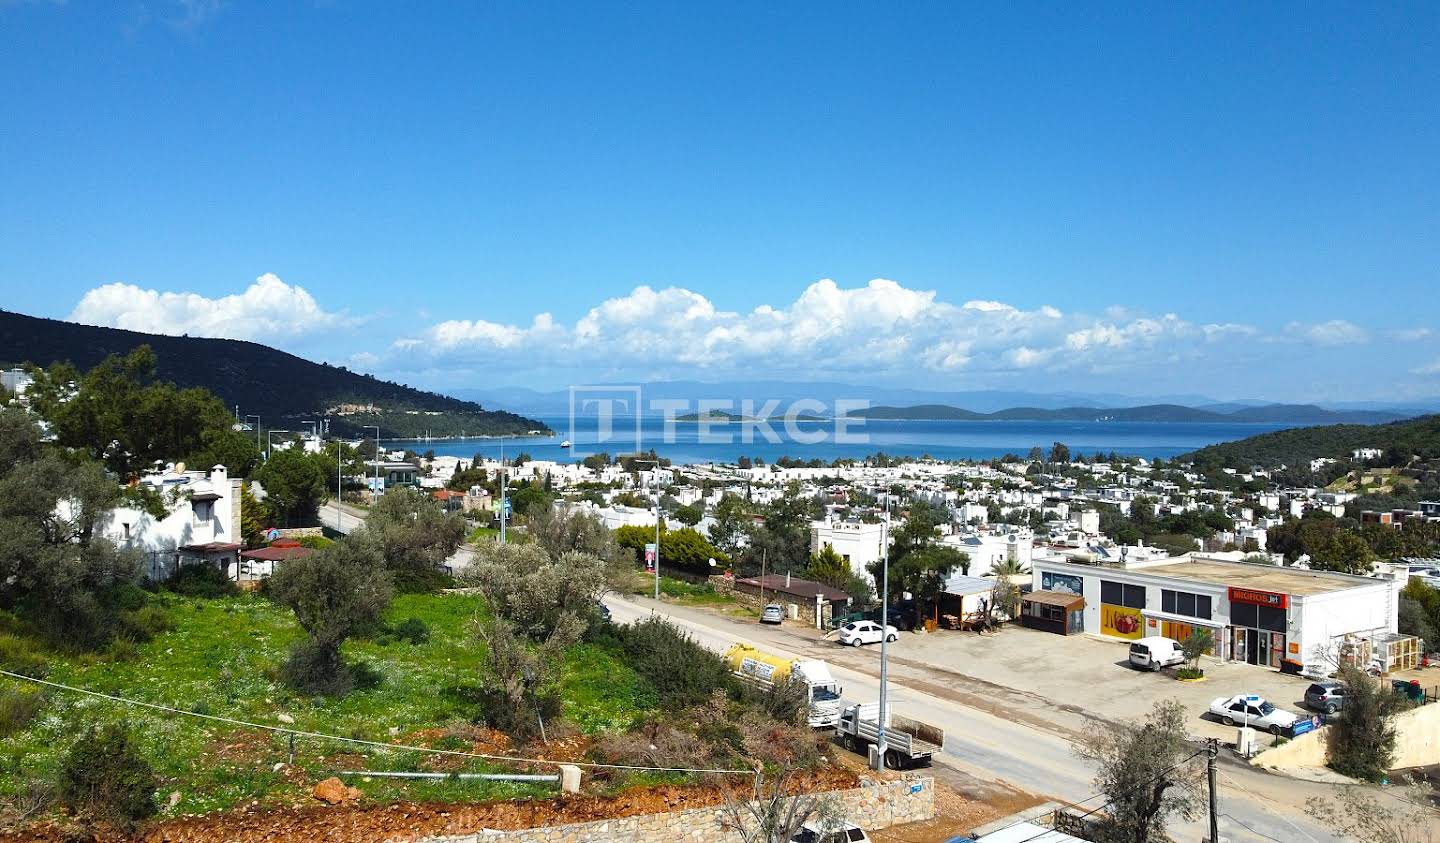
column 981, row 401
column 279, row 387
column 1269, row 413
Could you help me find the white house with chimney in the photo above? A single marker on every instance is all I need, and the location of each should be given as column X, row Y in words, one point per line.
column 202, row 524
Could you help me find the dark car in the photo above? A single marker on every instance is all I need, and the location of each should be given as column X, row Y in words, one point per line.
column 1328, row 697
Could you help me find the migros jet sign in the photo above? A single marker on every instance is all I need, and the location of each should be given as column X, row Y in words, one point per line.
column 1259, row 598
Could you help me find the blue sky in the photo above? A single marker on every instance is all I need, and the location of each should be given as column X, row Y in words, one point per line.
column 1222, row 199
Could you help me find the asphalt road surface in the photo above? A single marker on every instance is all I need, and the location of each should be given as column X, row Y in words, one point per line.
column 1029, row 747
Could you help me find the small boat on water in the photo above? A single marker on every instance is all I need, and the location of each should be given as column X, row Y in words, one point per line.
column 565, row 444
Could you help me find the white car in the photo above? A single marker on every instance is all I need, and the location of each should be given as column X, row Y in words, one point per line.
column 866, row 632
column 1252, row 710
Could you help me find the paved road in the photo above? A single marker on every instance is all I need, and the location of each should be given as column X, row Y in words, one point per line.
column 341, row 517
column 1030, row 748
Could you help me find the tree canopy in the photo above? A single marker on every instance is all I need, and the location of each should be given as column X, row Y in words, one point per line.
column 119, row 414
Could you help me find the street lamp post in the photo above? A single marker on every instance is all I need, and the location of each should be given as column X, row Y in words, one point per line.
column 269, row 442
column 881, row 746
column 339, row 485
column 655, row 480
column 504, row 487
column 655, row 476
column 375, row 490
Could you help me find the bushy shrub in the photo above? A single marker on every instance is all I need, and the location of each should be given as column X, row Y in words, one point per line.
column 146, row 623
column 427, row 581
column 1189, row 673
column 206, row 581
column 315, row 542
column 104, row 776
column 317, row 669
column 22, row 656
column 786, row 701
column 17, row 709
column 1361, row 741
column 682, row 672
column 410, row 630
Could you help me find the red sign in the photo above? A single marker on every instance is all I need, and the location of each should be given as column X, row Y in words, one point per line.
column 1259, row 598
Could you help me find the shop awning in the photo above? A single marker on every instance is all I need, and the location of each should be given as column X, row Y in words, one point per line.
column 1054, row 598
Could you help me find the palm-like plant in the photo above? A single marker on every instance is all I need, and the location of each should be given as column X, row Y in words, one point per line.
column 1011, row 567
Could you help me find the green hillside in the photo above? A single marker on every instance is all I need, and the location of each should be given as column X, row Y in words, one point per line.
column 1412, row 437
column 279, row 387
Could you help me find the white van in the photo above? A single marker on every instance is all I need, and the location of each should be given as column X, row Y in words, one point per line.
column 1156, row 652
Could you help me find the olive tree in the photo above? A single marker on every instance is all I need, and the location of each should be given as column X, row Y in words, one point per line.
column 56, row 565
column 1143, row 771
column 415, row 536
column 336, row 592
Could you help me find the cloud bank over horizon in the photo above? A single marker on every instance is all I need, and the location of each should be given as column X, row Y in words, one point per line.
column 881, row 329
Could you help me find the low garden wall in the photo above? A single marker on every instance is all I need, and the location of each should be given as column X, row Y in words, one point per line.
column 871, row 806
column 1417, row 744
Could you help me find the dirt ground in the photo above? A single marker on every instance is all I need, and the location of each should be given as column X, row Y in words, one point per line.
column 962, row 804
column 368, row 823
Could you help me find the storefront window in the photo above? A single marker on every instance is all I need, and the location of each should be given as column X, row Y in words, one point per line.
column 1122, row 594
column 1185, row 603
column 1257, row 617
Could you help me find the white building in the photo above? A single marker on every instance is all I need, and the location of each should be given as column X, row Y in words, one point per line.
column 16, row 381
column 988, row 549
column 1260, row 614
column 202, row 525
column 858, row 543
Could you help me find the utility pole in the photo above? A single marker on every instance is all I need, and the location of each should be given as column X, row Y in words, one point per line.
column 1212, row 754
column 880, row 745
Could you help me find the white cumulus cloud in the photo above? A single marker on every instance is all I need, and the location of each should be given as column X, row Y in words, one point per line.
column 267, row 309
column 1333, row 332
column 879, row 327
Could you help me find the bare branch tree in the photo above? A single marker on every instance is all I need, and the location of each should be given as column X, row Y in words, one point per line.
column 1358, row 814
column 769, row 812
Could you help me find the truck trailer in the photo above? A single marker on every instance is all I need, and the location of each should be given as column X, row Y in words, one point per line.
column 763, row 669
column 908, row 743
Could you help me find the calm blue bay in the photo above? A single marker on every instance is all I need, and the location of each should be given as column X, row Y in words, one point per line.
column 953, row 440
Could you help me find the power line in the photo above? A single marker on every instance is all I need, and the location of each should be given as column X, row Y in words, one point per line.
column 1288, row 821
column 359, row 741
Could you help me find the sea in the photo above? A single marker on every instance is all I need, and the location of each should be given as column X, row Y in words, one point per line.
column 688, row 444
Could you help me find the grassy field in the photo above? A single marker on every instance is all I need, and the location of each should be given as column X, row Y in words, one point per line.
column 685, row 592
column 223, row 658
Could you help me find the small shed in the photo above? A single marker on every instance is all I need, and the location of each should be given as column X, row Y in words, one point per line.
column 964, row 602
column 1053, row 611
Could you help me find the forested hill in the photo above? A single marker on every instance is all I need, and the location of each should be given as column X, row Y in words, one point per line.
column 259, row 379
column 1412, row 437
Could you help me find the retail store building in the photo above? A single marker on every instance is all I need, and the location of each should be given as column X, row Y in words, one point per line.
column 1261, row 614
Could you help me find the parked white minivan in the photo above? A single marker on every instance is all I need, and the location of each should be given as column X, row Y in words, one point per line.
column 1156, row 652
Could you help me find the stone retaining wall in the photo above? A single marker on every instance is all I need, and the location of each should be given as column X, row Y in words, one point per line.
column 871, row 806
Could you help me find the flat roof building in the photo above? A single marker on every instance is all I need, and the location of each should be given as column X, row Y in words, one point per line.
column 1261, row 614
